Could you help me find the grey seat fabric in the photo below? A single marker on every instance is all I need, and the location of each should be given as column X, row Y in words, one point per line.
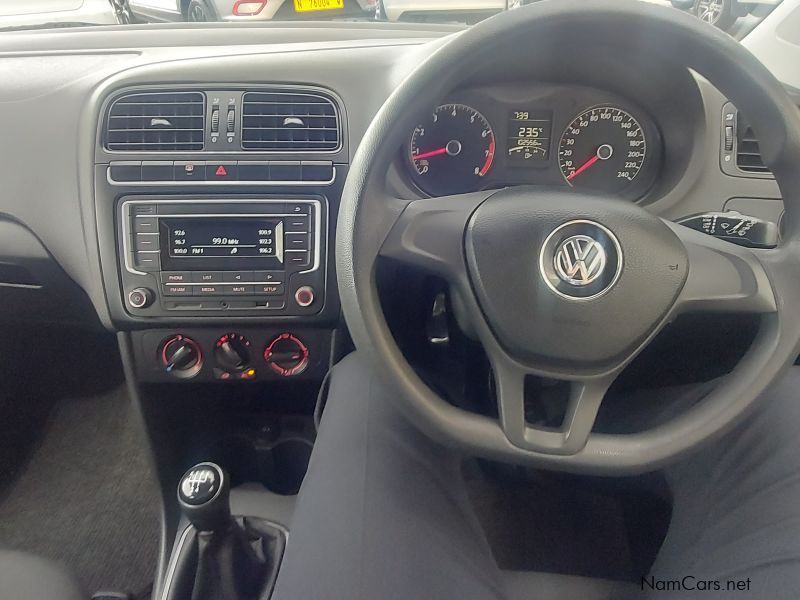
column 523, row 585
column 27, row 577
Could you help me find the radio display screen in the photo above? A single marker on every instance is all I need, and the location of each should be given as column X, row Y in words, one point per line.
column 222, row 242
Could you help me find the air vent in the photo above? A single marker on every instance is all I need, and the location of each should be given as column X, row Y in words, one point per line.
column 287, row 121
column 748, row 154
column 158, row 122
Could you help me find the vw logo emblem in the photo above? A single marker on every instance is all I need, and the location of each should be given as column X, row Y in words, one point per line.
column 580, row 260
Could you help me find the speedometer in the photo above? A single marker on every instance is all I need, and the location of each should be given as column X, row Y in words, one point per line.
column 603, row 148
column 452, row 150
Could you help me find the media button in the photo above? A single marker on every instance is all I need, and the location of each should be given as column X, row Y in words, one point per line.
column 147, row 261
column 145, row 225
column 207, row 277
column 268, row 276
column 237, row 290
column 175, row 277
column 207, row 290
column 296, row 241
column 237, row 276
column 269, row 289
column 190, row 170
column 296, row 224
column 145, row 241
column 170, row 289
column 298, row 208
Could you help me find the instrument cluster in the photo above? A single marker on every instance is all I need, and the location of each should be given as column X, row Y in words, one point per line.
column 558, row 135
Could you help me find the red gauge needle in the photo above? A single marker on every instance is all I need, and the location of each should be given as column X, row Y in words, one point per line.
column 583, row 167
column 437, row 152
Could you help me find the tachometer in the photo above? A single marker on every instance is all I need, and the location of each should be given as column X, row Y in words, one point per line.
column 602, row 149
column 451, row 151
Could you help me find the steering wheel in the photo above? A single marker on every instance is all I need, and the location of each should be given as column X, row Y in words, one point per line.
column 565, row 285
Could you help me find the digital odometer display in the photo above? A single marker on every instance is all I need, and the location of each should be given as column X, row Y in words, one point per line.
column 229, row 238
column 529, row 136
column 603, row 148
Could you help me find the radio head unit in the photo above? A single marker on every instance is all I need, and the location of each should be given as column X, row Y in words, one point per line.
column 260, row 256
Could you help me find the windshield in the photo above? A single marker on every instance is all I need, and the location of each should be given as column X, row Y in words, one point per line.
column 733, row 16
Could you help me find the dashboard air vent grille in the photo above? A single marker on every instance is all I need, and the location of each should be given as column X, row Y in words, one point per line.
column 156, row 121
column 289, row 121
column 748, row 154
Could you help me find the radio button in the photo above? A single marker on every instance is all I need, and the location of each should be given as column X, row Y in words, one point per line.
column 157, row 170
column 253, row 170
column 298, row 224
column 268, row 276
column 207, row 290
column 128, row 170
column 145, row 225
column 207, row 276
column 221, row 171
column 190, row 170
column 175, row 277
column 298, row 208
column 298, row 258
column 170, row 289
column 269, row 289
column 237, row 290
column 296, row 241
column 145, row 241
column 147, row 261
column 237, row 276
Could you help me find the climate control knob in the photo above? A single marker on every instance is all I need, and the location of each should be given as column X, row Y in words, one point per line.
column 286, row 355
column 232, row 352
column 181, row 356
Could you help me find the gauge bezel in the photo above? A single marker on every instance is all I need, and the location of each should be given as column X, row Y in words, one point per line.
column 646, row 176
column 415, row 176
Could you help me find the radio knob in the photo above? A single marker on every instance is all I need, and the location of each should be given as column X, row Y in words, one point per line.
column 140, row 297
column 304, row 296
column 286, row 355
column 181, row 357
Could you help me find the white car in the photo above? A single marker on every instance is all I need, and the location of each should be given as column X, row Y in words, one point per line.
column 469, row 11
column 248, row 10
column 54, row 12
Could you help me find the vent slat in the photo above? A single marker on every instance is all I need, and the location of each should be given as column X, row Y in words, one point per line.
column 289, row 121
column 748, row 154
column 157, row 122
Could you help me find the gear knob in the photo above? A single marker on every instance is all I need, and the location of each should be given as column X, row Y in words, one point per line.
column 203, row 495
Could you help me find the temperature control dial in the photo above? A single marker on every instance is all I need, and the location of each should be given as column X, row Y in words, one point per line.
column 286, row 355
column 181, row 356
column 232, row 352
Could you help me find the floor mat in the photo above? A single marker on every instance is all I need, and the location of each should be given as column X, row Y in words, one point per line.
column 86, row 496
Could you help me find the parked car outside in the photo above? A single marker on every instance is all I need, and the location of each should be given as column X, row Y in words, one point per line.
column 59, row 12
column 247, row 10
column 462, row 11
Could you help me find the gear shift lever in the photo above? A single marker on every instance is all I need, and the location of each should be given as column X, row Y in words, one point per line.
column 203, row 495
column 227, row 558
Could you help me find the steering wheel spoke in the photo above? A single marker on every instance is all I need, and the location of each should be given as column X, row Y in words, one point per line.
column 583, row 401
column 429, row 234
column 723, row 277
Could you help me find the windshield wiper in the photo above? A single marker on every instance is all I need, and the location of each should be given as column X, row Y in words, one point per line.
column 54, row 25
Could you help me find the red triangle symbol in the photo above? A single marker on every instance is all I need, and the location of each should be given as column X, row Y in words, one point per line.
column 221, row 172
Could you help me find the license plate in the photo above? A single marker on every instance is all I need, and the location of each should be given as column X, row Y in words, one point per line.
column 311, row 5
